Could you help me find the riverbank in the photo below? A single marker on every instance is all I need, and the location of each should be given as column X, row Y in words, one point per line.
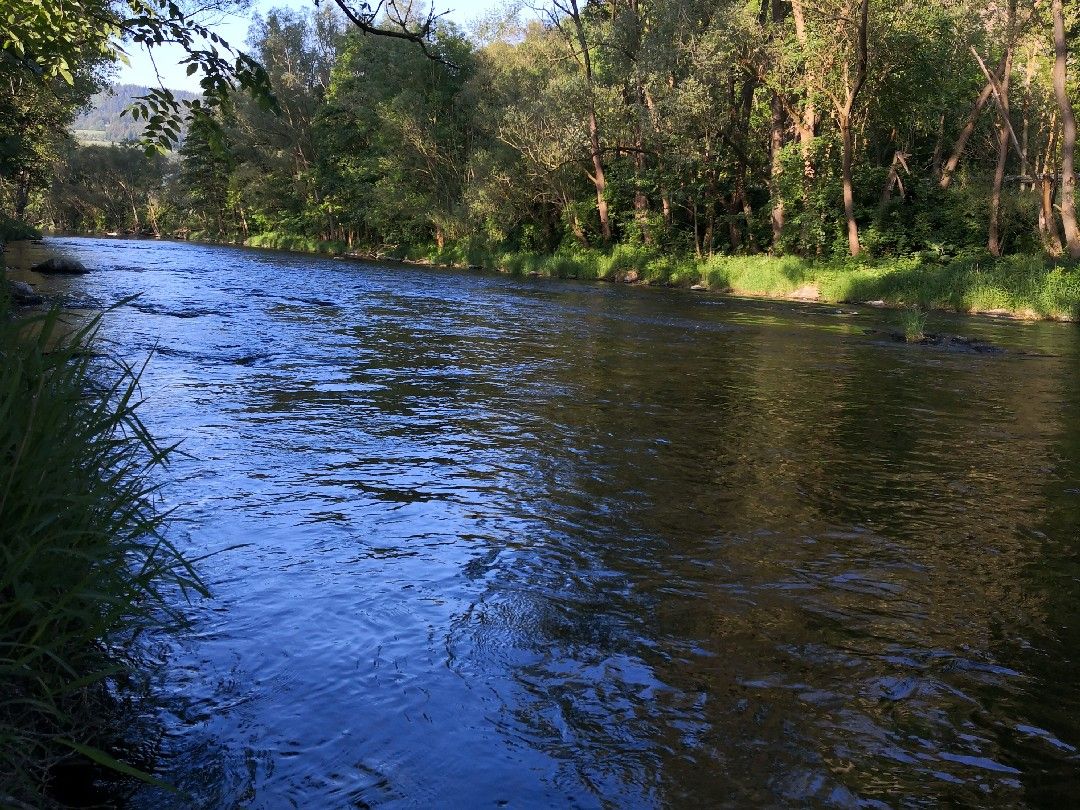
column 1026, row 287
column 1021, row 286
column 1029, row 287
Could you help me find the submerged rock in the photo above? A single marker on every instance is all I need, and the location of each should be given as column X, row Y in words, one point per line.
column 22, row 294
column 60, row 265
column 956, row 343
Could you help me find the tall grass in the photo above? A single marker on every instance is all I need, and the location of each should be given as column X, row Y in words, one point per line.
column 85, row 568
column 914, row 323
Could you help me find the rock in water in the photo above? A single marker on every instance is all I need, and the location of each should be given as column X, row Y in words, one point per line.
column 23, row 294
column 60, row 264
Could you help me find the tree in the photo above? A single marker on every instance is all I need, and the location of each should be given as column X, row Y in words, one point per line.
column 1068, row 128
column 567, row 17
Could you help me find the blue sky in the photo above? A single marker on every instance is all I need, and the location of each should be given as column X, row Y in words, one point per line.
column 145, row 70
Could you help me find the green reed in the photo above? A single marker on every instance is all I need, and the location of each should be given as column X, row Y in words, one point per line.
column 85, row 568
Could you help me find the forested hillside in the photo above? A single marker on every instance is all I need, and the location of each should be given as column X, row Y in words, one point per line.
column 102, row 123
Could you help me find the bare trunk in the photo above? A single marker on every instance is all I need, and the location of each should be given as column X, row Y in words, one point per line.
column 776, row 144
column 697, row 233
column 969, row 127
column 805, row 125
column 844, row 119
column 893, row 180
column 734, row 231
column 993, row 242
column 710, row 224
column 1047, row 221
column 641, row 202
column 1068, row 134
column 575, row 225
column 808, row 124
column 849, row 191
column 598, row 178
column 597, row 175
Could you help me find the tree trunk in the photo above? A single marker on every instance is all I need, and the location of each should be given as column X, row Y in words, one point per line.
column 1047, row 220
column 697, row 232
column 641, row 201
column 575, row 224
column 993, row 242
column 1046, row 216
column 965, row 133
column 597, row 175
column 862, row 57
column 893, row 180
column 849, row 191
column 808, row 124
column 710, row 226
column 740, row 199
column 776, row 144
column 1068, row 134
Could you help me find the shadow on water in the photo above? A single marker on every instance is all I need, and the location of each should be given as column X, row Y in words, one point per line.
column 557, row 544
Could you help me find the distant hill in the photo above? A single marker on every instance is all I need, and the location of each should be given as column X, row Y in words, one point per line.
column 102, row 123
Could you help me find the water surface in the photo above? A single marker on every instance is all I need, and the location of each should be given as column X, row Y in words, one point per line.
column 530, row 543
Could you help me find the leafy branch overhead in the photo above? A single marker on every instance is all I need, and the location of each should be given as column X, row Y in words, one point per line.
column 49, row 39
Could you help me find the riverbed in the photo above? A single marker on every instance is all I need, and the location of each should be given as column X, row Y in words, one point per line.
column 487, row 541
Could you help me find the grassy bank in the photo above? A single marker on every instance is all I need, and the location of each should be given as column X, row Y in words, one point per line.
column 1026, row 286
column 1020, row 285
column 85, row 568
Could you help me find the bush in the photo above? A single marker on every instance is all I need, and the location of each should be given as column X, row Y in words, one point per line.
column 85, row 567
column 12, row 230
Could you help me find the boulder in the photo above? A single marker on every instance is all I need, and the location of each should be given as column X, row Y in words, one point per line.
column 60, row 265
column 23, row 294
column 698, row 287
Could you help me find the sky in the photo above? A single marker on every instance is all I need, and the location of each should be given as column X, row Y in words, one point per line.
column 165, row 61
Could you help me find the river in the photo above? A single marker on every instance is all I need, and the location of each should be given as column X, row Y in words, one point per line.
column 482, row 541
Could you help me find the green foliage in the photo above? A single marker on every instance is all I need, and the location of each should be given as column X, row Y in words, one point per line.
column 86, row 568
column 12, row 230
column 109, row 188
column 104, row 117
column 300, row 244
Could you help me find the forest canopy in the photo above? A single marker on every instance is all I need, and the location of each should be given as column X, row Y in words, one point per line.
column 816, row 128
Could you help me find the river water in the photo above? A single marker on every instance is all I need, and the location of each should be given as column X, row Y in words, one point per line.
column 485, row 541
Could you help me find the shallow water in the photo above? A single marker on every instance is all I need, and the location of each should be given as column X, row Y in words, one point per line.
column 491, row 541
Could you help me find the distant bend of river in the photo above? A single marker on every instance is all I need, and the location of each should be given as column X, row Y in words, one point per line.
column 531, row 543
